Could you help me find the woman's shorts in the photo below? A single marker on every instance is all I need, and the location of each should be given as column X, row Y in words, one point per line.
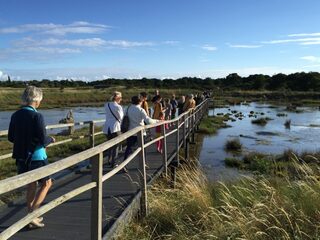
column 22, row 167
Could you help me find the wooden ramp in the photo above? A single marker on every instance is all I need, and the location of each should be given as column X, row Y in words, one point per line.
column 93, row 203
column 71, row 220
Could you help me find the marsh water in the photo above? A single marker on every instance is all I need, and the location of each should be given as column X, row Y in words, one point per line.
column 272, row 138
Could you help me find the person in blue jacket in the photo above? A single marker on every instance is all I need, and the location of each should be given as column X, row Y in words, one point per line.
column 27, row 132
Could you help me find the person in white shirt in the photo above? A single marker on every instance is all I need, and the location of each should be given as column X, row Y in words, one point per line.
column 137, row 117
column 112, row 125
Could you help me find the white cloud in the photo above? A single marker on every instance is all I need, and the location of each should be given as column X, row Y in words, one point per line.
column 311, row 43
column 311, row 59
column 86, row 42
column 3, row 76
column 57, row 29
column 48, row 50
column 304, row 35
column 244, row 46
column 128, row 44
column 171, row 42
column 209, row 47
column 297, row 40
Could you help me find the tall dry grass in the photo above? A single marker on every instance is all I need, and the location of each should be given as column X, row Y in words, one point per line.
column 251, row 208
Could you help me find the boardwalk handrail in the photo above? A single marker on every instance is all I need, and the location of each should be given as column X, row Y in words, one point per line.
column 91, row 134
column 96, row 156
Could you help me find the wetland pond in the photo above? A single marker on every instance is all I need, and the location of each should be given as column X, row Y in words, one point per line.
column 271, row 138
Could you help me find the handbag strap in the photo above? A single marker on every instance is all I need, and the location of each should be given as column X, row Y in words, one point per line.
column 113, row 114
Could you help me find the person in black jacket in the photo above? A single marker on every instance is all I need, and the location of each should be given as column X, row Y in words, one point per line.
column 27, row 132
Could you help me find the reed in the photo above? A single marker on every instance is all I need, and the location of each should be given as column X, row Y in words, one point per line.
column 251, row 208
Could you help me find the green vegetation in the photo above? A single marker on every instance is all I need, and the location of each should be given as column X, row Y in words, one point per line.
column 68, row 97
column 293, row 82
column 233, row 162
column 233, row 145
column 277, row 165
column 210, row 124
column 253, row 208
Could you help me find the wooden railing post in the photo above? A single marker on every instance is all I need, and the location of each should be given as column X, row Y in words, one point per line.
column 96, row 197
column 186, row 137
column 193, row 114
column 143, row 176
column 178, row 141
column 164, row 150
column 91, row 134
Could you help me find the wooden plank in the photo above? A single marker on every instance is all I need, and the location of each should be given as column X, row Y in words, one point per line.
column 9, row 155
column 91, row 130
column 42, row 210
column 153, row 141
column 121, row 165
column 164, row 150
column 96, row 197
column 143, row 176
column 171, row 132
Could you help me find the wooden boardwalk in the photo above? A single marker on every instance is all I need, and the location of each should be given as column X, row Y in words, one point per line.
column 72, row 219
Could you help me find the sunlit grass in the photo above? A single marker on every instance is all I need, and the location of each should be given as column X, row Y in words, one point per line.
column 251, row 208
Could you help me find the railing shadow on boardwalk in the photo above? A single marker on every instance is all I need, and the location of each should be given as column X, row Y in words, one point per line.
column 71, row 211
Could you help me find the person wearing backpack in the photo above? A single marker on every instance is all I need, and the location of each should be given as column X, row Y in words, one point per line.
column 27, row 132
column 137, row 117
column 112, row 125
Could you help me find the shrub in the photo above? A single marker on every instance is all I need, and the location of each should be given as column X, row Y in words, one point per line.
column 261, row 121
column 233, row 145
column 233, row 162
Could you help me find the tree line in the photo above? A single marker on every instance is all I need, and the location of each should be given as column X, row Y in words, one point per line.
column 296, row 82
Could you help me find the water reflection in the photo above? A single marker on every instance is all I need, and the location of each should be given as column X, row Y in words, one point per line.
column 273, row 138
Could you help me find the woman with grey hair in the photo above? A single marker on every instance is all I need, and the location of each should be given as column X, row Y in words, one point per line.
column 27, row 132
column 112, row 125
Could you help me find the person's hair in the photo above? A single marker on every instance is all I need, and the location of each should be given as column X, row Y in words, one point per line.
column 167, row 100
column 173, row 96
column 116, row 94
column 143, row 94
column 31, row 94
column 190, row 96
column 135, row 100
column 156, row 98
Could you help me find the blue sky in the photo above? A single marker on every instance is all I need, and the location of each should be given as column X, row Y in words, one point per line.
column 94, row 39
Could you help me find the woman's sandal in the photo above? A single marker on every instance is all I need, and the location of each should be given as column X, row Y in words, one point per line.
column 36, row 223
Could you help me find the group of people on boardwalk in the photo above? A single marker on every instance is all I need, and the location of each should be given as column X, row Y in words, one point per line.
column 28, row 134
column 138, row 113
